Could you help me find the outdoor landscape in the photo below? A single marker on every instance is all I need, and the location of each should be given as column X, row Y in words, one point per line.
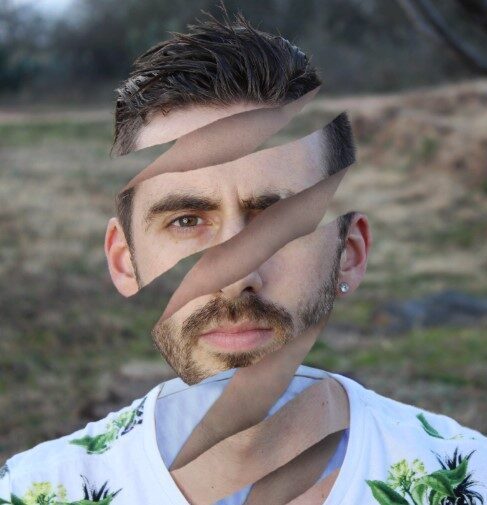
column 72, row 349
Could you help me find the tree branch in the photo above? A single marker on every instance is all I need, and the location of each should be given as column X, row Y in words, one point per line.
column 430, row 16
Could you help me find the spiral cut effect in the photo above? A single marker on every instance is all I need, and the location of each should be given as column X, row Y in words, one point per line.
column 235, row 444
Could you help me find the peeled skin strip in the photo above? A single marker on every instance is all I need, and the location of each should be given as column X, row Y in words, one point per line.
column 296, row 477
column 318, row 493
column 251, row 454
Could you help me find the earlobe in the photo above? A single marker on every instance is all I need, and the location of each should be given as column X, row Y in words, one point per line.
column 119, row 261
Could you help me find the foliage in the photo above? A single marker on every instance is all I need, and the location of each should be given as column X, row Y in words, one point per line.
column 115, row 428
column 43, row 493
column 363, row 45
column 409, row 483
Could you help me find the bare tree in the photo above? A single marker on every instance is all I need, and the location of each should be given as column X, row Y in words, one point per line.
column 430, row 21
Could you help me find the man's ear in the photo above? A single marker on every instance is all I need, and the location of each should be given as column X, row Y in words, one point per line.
column 118, row 257
column 353, row 261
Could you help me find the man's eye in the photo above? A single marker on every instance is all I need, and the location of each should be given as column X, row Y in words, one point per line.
column 185, row 221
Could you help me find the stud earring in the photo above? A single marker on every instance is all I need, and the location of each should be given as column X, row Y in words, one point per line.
column 344, row 287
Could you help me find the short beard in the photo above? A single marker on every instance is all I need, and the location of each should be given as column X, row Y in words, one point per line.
column 321, row 305
column 180, row 348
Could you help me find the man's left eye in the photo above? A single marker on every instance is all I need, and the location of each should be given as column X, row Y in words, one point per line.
column 185, row 221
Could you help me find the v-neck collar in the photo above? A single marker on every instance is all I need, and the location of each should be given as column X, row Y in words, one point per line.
column 348, row 470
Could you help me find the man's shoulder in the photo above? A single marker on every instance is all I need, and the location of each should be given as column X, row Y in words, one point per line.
column 427, row 448
column 426, row 424
column 96, row 438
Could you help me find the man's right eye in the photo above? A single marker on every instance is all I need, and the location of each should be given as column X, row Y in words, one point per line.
column 185, row 219
column 185, row 223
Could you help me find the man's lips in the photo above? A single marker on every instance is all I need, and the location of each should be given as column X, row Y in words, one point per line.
column 238, row 337
column 237, row 328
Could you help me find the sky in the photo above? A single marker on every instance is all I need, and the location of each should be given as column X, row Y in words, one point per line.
column 51, row 8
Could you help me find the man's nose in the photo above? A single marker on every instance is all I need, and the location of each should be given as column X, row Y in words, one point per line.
column 253, row 280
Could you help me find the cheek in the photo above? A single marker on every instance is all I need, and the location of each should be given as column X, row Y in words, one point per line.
column 153, row 259
column 289, row 273
column 299, row 267
column 157, row 252
column 148, row 258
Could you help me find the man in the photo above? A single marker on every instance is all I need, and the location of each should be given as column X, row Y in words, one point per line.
column 389, row 453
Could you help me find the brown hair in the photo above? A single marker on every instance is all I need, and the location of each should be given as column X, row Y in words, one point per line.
column 215, row 63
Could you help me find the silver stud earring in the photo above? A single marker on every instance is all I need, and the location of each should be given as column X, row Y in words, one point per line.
column 344, row 287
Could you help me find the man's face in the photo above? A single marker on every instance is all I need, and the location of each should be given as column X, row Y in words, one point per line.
column 289, row 292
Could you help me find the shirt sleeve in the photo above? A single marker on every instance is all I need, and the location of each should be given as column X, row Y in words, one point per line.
column 4, row 484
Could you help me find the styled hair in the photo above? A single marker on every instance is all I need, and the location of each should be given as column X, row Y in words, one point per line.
column 217, row 63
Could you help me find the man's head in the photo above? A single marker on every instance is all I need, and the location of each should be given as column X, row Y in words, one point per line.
column 215, row 70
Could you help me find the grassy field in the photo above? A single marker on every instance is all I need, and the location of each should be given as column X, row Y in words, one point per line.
column 68, row 338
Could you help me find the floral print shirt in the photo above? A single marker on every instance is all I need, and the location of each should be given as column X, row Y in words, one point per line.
column 397, row 454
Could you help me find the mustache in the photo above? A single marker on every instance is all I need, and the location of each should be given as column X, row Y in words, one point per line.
column 248, row 306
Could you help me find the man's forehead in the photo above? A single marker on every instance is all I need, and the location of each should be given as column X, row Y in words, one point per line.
column 161, row 128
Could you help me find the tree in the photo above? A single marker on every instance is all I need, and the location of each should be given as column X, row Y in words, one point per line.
column 430, row 21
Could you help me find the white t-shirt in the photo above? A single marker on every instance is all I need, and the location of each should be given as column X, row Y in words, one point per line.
column 189, row 404
column 395, row 453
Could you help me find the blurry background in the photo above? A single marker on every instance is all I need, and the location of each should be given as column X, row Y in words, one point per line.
column 410, row 74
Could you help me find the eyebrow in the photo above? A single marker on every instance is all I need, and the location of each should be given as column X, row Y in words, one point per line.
column 174, row 202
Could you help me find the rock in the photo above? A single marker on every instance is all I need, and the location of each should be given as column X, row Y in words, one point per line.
column 134, row 379
column 439, row 309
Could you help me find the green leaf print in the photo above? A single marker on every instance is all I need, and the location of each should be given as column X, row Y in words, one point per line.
column 463, row 491
column 454, row 476
column 427, row 427
column 410, row 483
column 114, row 429
column 43, row 493
column 435, row 498
column 105, row 501
column 98, row 444
column 439, row 483
column 384, row 494
column 92, row 494
column 17, row 501
column 432, row 432
column 418, row 492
